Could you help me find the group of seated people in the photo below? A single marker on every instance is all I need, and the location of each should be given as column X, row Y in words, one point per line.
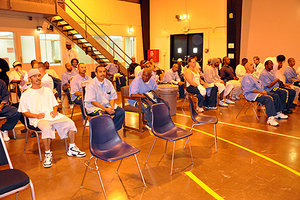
column 39, row 105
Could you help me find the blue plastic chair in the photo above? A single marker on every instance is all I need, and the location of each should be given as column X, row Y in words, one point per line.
column 106, row 144
column 202, row 119
column 12, row 181
column 164, row 128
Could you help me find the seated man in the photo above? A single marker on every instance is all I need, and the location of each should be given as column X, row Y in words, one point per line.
column 258, row 66
column 40, row 106
column 55, row 78
column 66, row 78
column 100, row 98
column 240, row 69
column 8, row 111
column 132, row 66
column 112, row 68
column 138, row 88
column 81, row 79
column 195, row 85
column 171, row 76
column 292, row 78
column 16, row 75
column 272, row 84
column 254, row 91
column 115, row 75
column 211, row 77
column 227, row 75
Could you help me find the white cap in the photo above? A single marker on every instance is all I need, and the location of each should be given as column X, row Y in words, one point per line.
column 33, row 72
column 16, row 63
column 115, row 58
column 179, row 60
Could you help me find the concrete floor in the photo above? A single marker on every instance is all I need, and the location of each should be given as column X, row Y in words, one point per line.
column 253, row 161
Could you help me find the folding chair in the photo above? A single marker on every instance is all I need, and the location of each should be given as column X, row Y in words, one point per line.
column 249, row 104
column 12, row 180
column 37, row 131
column 106, row 144
column 164, row 128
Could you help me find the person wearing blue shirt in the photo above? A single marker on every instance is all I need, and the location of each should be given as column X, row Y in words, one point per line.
column 254, row 91
column 171, row 76
column 139, row 86
column 100, row 98
column 275, row 85
column 66, row 77
column 112, row 68
column 291, row 74
column 81, row 79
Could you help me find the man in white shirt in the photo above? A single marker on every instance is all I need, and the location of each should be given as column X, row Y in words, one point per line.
column 240, row 70
column 39, row 105
column 171, row 76
column 211, row 77
column 70, row 53
column 258, row 66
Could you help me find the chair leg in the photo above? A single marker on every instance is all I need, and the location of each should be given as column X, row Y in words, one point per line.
column 87, row 166
column 215, row 131
column 184, row 103
column 190, row 132
column 26, row 141
column 39, row 146
column 17, row 196
column 137, row 162
column 66, row 144
column 14, row 133
column 32, row 190
column 119, row 166
column 84, row 126
column 173, row 152
column 253, row 108
column 190, row 150
column 240, row 110
column 166, row 147
column 150, row 150
column 72, row 111
column 98, row 172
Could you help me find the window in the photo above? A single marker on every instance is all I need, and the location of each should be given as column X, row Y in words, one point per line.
column 7, row 47
column 51, row 48
column 28, row 48
column 118, row 40
column 130, row 47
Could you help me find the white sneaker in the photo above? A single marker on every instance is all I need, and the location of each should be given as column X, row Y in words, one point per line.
column 222, row 103
column 280, row 115
column 5, row 136
column 200, row 109
column 237, row 97
column 211, row 108
column 71, row 106
column 148, row 127
column 48, row 160
column 74, row 151
column 271, row 121
column 229, row 101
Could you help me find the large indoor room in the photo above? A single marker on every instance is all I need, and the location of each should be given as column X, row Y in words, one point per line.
column 149, row 99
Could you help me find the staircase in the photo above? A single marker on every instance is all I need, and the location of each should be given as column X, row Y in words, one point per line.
column 82, row 35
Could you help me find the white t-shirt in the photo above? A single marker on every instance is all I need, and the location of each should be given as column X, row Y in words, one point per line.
column 47, row 81
column 38, row 101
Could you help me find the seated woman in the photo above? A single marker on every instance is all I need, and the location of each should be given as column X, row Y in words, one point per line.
column 195, row 85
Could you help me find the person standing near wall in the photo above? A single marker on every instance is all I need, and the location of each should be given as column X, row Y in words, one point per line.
column 3, row 69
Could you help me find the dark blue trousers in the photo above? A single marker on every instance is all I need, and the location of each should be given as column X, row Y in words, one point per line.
column 272, row 103
column 118, row 117
column 67, row 91
column 79, row 102
column 12, row 117
column 194, row 90
column 291, row 97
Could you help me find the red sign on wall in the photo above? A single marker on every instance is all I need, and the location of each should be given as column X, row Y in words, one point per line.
column 153, row 53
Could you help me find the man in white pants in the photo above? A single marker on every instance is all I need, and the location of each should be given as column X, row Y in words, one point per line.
column 211, row 76
column 40, row 106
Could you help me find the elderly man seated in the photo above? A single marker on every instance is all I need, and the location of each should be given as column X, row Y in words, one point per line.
column 100, row 98
column 40, row 106
column 254, row 91
column 171, row 76
column 272, row 84
column 141, row 87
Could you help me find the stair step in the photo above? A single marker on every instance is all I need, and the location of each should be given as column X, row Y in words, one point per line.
column 69, row 29
column 63, row 25
column 57, row 20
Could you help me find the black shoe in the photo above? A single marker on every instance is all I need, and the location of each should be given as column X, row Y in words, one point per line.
column 33, row 135
column 24, row 130
column 287, row 112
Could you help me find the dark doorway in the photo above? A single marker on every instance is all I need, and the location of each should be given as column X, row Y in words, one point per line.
column 184, row 46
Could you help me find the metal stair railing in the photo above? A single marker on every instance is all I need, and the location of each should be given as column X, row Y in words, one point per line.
column 86, row 26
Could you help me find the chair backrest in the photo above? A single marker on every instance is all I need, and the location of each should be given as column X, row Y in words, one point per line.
column 161, row 119
column 192, row 108
column 125, row 91
column 82, row 99
column 4, row 157
column 103, row 134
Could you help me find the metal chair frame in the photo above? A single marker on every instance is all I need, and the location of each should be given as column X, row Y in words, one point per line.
column 254, row 108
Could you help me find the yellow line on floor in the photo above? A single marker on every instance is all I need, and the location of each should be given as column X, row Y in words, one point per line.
column 246, row 149
column 203, row 185
column 253, row 129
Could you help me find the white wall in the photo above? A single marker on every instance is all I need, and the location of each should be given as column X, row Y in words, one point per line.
column 207, row 17
column 270, row 28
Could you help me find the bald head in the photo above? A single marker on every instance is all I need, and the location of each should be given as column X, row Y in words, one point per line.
column 249, row 67
column 147, row 73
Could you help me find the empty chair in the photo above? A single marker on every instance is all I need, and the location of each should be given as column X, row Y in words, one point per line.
column 106, row 144
column 164, row 128
column 12, row 180
column 202, row 119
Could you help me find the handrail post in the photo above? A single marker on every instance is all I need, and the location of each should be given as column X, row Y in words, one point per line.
column 85, row 25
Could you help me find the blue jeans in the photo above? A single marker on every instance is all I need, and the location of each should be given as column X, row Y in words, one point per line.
column 12, row 117
column 79, row 102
